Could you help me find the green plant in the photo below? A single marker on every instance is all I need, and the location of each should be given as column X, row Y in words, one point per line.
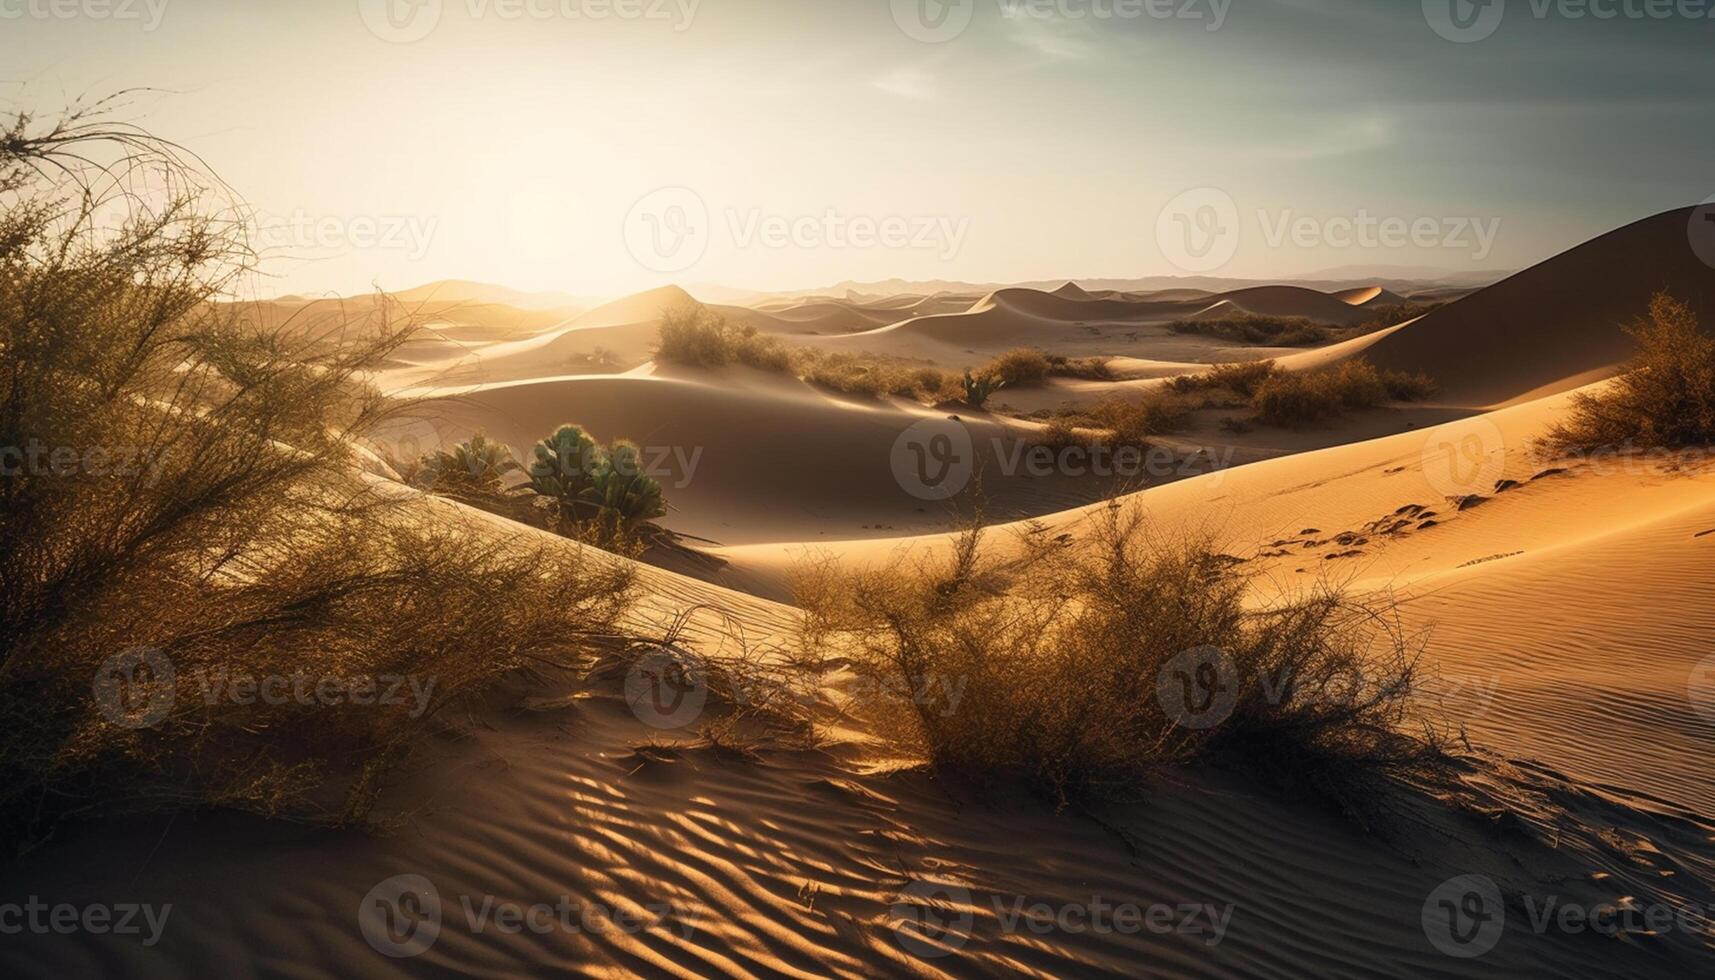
column 978, row 389
column 623, row 490
column 473, row 469
column 563, row 470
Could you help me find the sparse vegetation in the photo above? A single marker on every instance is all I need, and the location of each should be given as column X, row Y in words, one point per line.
column 213, row 529
column 1271, row 331
column 1292, row 398
column 700, row 337
column 1025, row 366
column 600, row 495
column 1131, row 420
column 1665, row 399
column 1067, row 660
column 860, row 374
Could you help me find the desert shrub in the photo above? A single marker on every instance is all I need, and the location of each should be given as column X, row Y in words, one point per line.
column 1298, row 398
column 472, row 470
column 1054, row 665
column 1131, row 421
column 700, row 337
column 863, row 374
column 1273, row 331
column 1664, row 399
column 1089, row 368
column 977, row 389
column 1025, row 366
column 1241, row 377
column 1019, row 367
column 180, row 507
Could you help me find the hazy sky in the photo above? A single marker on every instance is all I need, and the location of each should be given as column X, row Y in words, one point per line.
column 602, row 146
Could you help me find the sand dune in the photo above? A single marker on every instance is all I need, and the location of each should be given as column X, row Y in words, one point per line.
column 1556, row 324
column 1369, row 296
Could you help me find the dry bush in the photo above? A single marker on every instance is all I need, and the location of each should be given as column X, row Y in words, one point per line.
column 864, row 374
column 1019, row 367
column 1241, row 378
column 1131, row 420
column 1299, row 398
column 700, row 337
column 1664, row 400
column 1025, row 366
column 1272, row 331
column 1046, row 667
column 184, row 484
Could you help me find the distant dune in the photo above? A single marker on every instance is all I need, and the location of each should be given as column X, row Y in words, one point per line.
column 1555, row 324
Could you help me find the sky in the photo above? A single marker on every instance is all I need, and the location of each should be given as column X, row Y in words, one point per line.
column 601, row 147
